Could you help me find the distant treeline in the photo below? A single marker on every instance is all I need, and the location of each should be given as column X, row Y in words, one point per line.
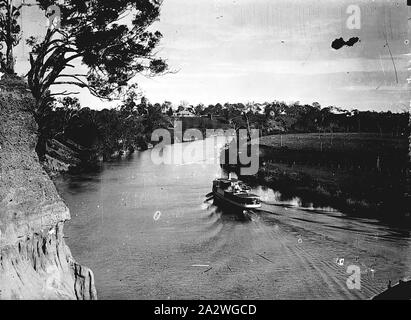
column 279, row 117
column 129, row 126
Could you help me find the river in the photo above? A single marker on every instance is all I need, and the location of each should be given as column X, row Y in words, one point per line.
column 147, row 233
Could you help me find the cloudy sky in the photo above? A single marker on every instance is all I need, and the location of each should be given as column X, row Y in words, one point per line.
column 265, row 50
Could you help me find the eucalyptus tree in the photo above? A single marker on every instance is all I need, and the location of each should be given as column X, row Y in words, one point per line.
column 10, row 34
column 96, row 45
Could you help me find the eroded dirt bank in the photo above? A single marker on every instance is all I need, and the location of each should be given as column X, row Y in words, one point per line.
column 35, row 262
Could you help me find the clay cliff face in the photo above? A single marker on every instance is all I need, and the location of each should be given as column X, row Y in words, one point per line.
column 35, row 262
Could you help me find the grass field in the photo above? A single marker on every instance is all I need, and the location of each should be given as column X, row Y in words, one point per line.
column 361, row 173
column 350, row 151
column 340, row 142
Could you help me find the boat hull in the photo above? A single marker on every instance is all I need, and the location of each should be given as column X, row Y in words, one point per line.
column 227, row 201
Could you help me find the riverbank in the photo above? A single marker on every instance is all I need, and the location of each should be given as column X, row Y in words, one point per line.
column 147, row 233
column 35, row 262
column 364, row 174
column 76, row 153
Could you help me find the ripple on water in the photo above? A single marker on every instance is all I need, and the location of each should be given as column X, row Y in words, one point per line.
column 260, row 256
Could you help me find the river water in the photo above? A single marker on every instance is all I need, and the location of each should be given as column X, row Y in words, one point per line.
column 147, row 233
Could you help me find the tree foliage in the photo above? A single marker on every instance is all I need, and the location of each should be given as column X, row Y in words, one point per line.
column 112, row 40
column 9, row 34
column 280, row 117
column 109, row 131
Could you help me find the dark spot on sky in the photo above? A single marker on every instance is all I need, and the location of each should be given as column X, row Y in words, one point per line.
column 339, row 43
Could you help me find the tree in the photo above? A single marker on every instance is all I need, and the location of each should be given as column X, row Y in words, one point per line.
column 180, row 108
column 357, row 115
column 132, row 127
column 72, row 103
column 166, row 106
column 190, row 109
column 274, row 126
column 9, row 34
column 111, row 38
column 154, row 119
column 109, row 131
column 130, row 99
column 56, row 122
column 316, row 105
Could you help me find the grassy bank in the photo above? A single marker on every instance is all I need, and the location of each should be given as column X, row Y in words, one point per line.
column 363, row 174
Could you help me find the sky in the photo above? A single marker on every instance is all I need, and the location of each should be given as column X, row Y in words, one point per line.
column 266, row 50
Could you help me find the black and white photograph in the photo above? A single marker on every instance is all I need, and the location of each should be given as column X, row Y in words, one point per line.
column 205, row 150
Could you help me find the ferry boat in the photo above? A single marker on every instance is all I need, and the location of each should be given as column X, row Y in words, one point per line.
column 235, row 193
